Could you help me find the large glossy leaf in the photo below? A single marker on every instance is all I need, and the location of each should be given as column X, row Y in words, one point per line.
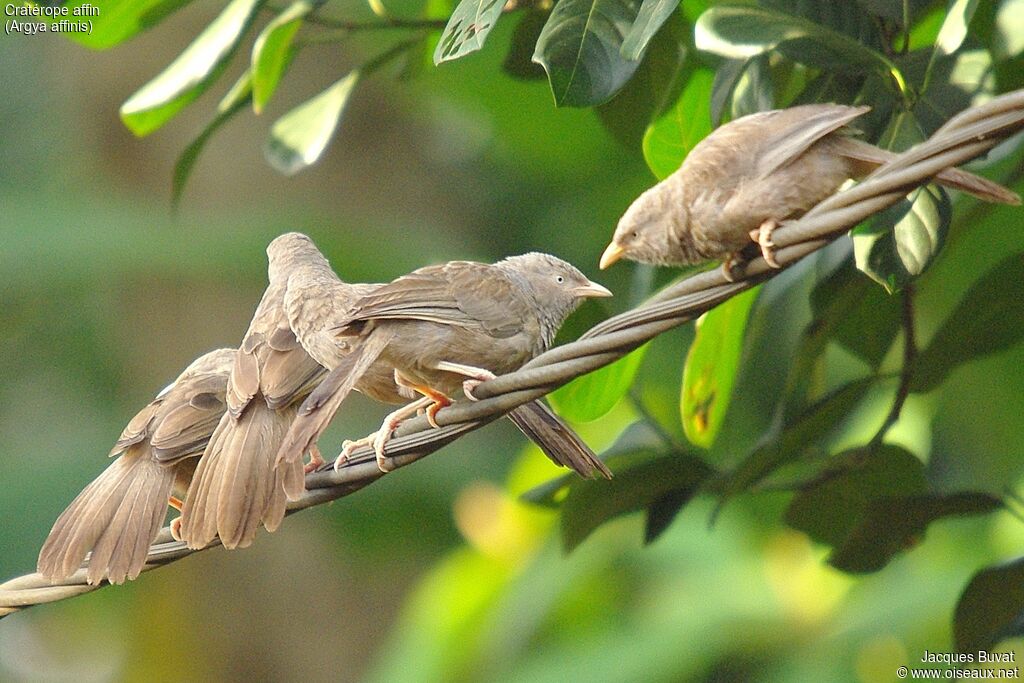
column 991, row 608
column 116, row 21
column 671, row 137
column 589, row 397
column 828, row 508
column 901, row 242
column 236, row 99
column 580, row 50
column 1009, row 29
column 518, row 61
column 802, row 433
column 652, row 15
column 653, row 88
column 298, row 138
column 588, row 506
column 272, row 51
column 988, row 319
column 467, row 29
column 891, row 525
column 743, row 32
column 954, row 26
column 711, row 367
column 861, row 317
column 191, row 73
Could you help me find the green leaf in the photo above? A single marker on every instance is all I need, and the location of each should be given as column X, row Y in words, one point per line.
column 988, row 319
column 580, row 50
column 954, row 26
column 272, row 52
column 653, row 88
column 828, row 508
column 518, row 62
column 901, row 242
column 236, row 99
column 188, row 76
column 467, row 29
column 711, row 367
column 805, row 431
column 116, row 21
column 1008, row 41
column 637, row 438
column 891, row 525
column 743, row 32
column 662, row 512
column 861, row 317
column 298, row 138
column 670, row 138
column 652, row 14
column 727, row 75
column 589, row 397
column 753, row 91
column 588, row 506
column 991, row 608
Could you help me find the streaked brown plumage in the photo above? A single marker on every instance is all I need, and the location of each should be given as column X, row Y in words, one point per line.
column 317, row 301
column 749, row 175
column 438, row 327
column 236, row 486
column 118, row 515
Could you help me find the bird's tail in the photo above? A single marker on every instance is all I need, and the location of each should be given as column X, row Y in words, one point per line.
column 870, row 157
column 557, row 439
column 236, row 486
column 116, row 517
column 320, row 406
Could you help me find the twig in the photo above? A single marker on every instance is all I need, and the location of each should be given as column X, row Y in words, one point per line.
column 906, row 372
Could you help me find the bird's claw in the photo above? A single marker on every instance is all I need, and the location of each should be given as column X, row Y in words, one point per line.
column 763, row 237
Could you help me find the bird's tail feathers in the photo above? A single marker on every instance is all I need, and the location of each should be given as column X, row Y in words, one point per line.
column 557, row 439
column 116, row 517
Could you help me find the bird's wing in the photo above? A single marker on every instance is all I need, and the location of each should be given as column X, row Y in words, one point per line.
column 792, row 131
column 460, row 293
column 270, row 360
column 188, row 416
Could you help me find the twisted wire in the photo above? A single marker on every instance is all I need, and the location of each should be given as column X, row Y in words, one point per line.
column 966, row 136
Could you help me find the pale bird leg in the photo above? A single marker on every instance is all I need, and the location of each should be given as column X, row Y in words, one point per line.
column 763, row 237
column 476, row 376
column 175, row 503
column 383, row 435
column 728, row 264
column 316, row 459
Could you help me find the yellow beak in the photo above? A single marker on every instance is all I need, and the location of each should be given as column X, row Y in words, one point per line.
column 612, row 253
column 591, row 290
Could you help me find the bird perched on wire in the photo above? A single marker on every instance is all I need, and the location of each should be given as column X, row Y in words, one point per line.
column 444, row 329
column 118, row 515
column 319, row 306
column 748, row 176
column 236, row 486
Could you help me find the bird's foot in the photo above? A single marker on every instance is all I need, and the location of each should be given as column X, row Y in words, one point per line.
column 176, row 528
column 348, row 447
column 476, row 376
column 729, row 265
column 316, row 459
column 763, row 237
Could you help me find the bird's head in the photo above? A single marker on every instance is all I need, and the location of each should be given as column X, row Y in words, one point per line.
column 558, row 287
column 290, row 250
column 646, row 233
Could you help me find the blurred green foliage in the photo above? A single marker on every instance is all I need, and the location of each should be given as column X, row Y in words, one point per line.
column 454, row 569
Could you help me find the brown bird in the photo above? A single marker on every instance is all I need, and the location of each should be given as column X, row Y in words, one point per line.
column 444, row 329
column 750, row 175
column 118, row 515
column 236, row 484
column 318, row 302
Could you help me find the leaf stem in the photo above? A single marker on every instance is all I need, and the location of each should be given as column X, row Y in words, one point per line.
column 907, row 372
column 647, row 417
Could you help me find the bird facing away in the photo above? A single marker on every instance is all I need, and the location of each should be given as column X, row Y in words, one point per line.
column 317, row 302
column 443, row 329
column 236, row 485
column 748, row 176
column 118, row 515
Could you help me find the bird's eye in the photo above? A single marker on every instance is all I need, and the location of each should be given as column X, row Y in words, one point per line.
column 635, row 235
column 559, row 279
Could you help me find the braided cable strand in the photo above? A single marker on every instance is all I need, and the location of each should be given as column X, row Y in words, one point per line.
column 966, row 136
